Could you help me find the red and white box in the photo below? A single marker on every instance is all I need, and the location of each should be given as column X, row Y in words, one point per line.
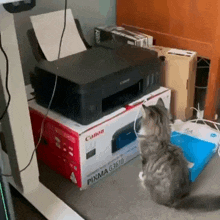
column 85, row 154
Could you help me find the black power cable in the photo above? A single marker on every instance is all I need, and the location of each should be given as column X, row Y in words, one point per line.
column 42, row 125
column 6, row 81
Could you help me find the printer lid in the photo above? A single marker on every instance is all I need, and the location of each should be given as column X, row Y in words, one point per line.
column 93, row 64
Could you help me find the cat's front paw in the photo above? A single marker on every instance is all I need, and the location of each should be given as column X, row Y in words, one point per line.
column 141, row 175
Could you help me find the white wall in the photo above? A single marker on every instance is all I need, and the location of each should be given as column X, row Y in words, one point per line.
column 91, row 13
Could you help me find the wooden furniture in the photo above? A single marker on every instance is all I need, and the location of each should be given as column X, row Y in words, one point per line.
column 186, row 24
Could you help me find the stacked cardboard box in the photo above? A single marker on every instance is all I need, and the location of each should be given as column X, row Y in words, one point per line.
column 117, row 35
column 85, row 154
column 179, row 74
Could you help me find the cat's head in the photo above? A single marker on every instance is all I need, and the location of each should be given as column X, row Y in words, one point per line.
column 156, row 121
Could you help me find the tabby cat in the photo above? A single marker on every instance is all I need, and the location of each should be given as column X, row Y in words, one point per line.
column 164, row 167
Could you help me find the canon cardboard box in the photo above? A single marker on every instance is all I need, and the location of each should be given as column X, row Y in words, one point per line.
column 85, row 154
column 179, row 75
column 119, row 35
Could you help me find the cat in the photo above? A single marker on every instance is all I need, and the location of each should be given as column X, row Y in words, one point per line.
column 164, row 168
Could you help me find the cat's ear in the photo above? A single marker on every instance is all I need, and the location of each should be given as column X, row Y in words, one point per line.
column 160, row 102
column 145, row 111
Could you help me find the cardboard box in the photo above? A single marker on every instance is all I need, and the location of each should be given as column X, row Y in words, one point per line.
column 179, row 75
column 85, row 154
column 117, row 35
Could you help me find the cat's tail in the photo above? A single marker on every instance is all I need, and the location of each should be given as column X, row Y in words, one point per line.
column 203, row 203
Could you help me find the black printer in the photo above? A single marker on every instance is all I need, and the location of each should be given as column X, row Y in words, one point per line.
column 96, row 82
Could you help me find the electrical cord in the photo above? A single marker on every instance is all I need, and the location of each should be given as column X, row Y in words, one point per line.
column 51, row 100
column 135, row 121
column 6, row 81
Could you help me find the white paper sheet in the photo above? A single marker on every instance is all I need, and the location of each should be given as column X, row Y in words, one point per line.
column 48, row 29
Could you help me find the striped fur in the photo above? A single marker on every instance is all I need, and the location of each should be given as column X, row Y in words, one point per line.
column 164, row 168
